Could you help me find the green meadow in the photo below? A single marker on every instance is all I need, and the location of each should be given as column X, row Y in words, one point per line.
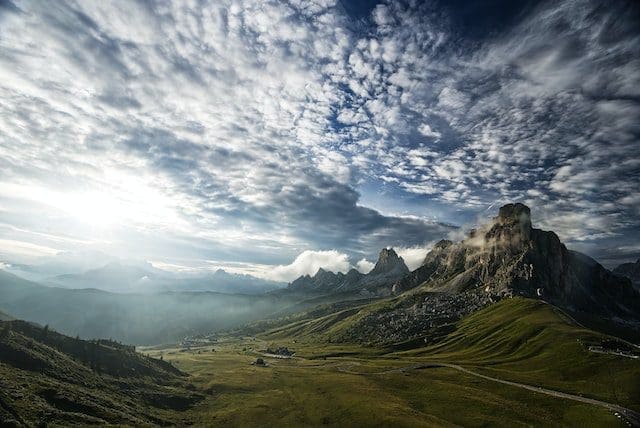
column 345, row 384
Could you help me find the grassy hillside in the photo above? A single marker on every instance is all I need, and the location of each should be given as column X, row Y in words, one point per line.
column 516, row 339
column 532, row 342
column 49, row 378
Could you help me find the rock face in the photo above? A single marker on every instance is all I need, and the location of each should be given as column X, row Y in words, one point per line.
column 389, row 263
column 389, row 268
column 631, row 271
column 509, row 257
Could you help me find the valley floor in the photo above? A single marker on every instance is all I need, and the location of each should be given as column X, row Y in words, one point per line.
column 537, row 380
column 362, row 390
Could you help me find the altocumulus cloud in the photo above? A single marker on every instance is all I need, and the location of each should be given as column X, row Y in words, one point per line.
column 248, row 131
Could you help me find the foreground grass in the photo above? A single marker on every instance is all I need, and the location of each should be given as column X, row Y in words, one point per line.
column 348, row 385
column 301, row 392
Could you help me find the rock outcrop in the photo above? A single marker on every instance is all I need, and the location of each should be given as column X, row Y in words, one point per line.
column 389, row 263
column 509, row 257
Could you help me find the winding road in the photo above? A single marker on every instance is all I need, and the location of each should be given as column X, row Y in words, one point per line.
column 631, row 416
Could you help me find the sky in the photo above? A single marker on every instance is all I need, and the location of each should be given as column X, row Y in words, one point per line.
column 276, row 137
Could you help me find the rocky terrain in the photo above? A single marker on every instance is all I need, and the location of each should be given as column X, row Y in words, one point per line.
column 509, row 257
column 388, row 269
column 427, row 317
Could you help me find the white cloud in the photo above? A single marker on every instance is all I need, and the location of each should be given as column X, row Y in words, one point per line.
column 308, row 263
column 234, row 118
column 365, row 266
column 426, row 130
column 413, row 256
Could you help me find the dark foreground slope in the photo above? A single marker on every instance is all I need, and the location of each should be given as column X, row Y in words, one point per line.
column 49, row 378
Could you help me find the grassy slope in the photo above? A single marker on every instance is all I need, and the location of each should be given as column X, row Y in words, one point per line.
column 340, row 384
column 531, row 342
column 47, row 378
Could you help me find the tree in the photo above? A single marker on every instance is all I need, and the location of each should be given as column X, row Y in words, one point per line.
column 45, row 331
column 5, row 332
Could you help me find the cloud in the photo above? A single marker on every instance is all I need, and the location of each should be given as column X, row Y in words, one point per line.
column 364, row 266
column 222, row 114
column 426, row 130
column 251, row 131
column 308, row 263
column 413, row 256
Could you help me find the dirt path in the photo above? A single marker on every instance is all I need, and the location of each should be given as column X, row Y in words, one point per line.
column 631, row 416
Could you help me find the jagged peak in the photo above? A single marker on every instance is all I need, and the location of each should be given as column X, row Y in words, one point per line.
column 389, row 261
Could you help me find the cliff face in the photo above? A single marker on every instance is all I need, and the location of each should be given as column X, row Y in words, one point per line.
column 508, row 256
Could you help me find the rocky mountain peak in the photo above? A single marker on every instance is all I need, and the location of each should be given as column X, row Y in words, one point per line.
column 511, row 228
column 509, row 257
column 442, row 244
column 389, row 262
column 321, row 272
column 514, row 213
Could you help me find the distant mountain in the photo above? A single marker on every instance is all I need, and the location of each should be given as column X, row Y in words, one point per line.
column 222, row 281
column 60, row 263
column 123, row 278
column 133, row 318
column 388, row 268
column 52, row 379
column 509, row 257
column 631, row 271
column 114, row 276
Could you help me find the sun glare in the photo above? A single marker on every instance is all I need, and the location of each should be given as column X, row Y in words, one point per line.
column 96, row 209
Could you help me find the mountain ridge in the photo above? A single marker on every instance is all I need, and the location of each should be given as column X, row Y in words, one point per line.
column 389, row 266
column 119, row 277
column 50, row 378
column 508, row 256
column 630, row 270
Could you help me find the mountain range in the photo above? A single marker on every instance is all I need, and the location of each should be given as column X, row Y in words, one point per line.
column 509, row 303
column 119, row 277
column 135, row 318
column 388, row 268
column 503, row 258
